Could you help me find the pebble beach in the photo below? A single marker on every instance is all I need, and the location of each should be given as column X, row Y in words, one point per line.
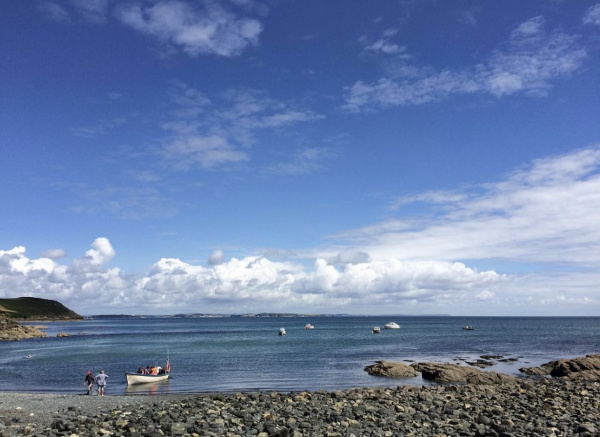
column 527, row 407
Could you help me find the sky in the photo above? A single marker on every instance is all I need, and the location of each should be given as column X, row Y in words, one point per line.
column 347, row 157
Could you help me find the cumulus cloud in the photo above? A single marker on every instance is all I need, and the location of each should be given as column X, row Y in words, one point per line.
column 350, row 258
column 531, row 60
column 194, row 30
column 216, row 258
column 544, row 215
column 235, row 285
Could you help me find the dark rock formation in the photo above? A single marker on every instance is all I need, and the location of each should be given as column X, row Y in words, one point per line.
column 456, row 373
column 391, row 369
column 587, row 368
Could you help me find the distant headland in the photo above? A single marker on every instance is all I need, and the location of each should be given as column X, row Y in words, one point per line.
column 13, row 311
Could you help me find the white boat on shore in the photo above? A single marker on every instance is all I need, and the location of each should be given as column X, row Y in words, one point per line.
column 143, row 378
column 391, row 325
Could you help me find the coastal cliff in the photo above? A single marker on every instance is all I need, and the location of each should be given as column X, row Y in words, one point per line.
column 12, row 311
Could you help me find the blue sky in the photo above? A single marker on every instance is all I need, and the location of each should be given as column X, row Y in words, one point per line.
column 408, row 157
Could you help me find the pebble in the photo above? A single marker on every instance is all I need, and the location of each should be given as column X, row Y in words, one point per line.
column 524, row 408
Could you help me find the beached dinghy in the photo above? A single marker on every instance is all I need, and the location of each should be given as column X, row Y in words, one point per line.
column 142, row 378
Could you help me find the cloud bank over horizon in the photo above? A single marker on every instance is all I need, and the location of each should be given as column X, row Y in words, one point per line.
column 544, row 214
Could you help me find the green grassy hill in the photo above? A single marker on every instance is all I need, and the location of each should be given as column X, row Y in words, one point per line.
column 33, row 308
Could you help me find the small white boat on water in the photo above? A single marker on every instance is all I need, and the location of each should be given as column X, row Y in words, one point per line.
column 468, row 328
column 281, row 331
column 391, row 325
column 309, row 326
column 143, row 378
column 376, row 330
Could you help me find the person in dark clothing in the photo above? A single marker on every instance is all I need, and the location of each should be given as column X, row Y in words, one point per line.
column 89, row 380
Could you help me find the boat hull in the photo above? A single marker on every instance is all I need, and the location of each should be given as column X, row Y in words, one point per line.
column 139, row 378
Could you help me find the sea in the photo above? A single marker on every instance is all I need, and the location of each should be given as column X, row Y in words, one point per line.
column 246, row 354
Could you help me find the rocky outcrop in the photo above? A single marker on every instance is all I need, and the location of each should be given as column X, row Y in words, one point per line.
column 581, row 368
column 391, row 369
column 456, row 373
column 443, row 373
column 63, row 334
column 11, row 330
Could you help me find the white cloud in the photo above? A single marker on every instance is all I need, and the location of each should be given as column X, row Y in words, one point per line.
column 216, row 258
column 101, row 252
column 592, row 15
column 211, row 30
column 54, row 254
column 187, row 151
column 94, row 11
column 350, row 258
column 383, row 45
column 55, row 12
column 532, row 59
column 543, row 215
column 236, row 285
column 546, row 213
column 227, row 126
column 469, row 18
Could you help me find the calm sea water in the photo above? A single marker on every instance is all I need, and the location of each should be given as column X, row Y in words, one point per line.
column 247, row 354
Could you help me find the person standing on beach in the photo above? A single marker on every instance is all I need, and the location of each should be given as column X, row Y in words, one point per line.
column 101, row 381
column 89, row 380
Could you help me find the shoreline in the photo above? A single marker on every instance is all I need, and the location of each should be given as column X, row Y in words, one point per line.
column 524, row 407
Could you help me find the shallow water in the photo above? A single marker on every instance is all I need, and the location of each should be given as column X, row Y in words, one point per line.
column 245, row 354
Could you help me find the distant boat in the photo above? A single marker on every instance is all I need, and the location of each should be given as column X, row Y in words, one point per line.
column 142, row 378
column 281, row 331
column 376, row 330
column 309, row 326
column 391, row 325
column 468, row 328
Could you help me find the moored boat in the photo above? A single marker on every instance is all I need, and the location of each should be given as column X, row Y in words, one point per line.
column 391, row 325
column 142, row 378
column 468, row 328
column 376, row 330
column 281, row 331
column 309, row 326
